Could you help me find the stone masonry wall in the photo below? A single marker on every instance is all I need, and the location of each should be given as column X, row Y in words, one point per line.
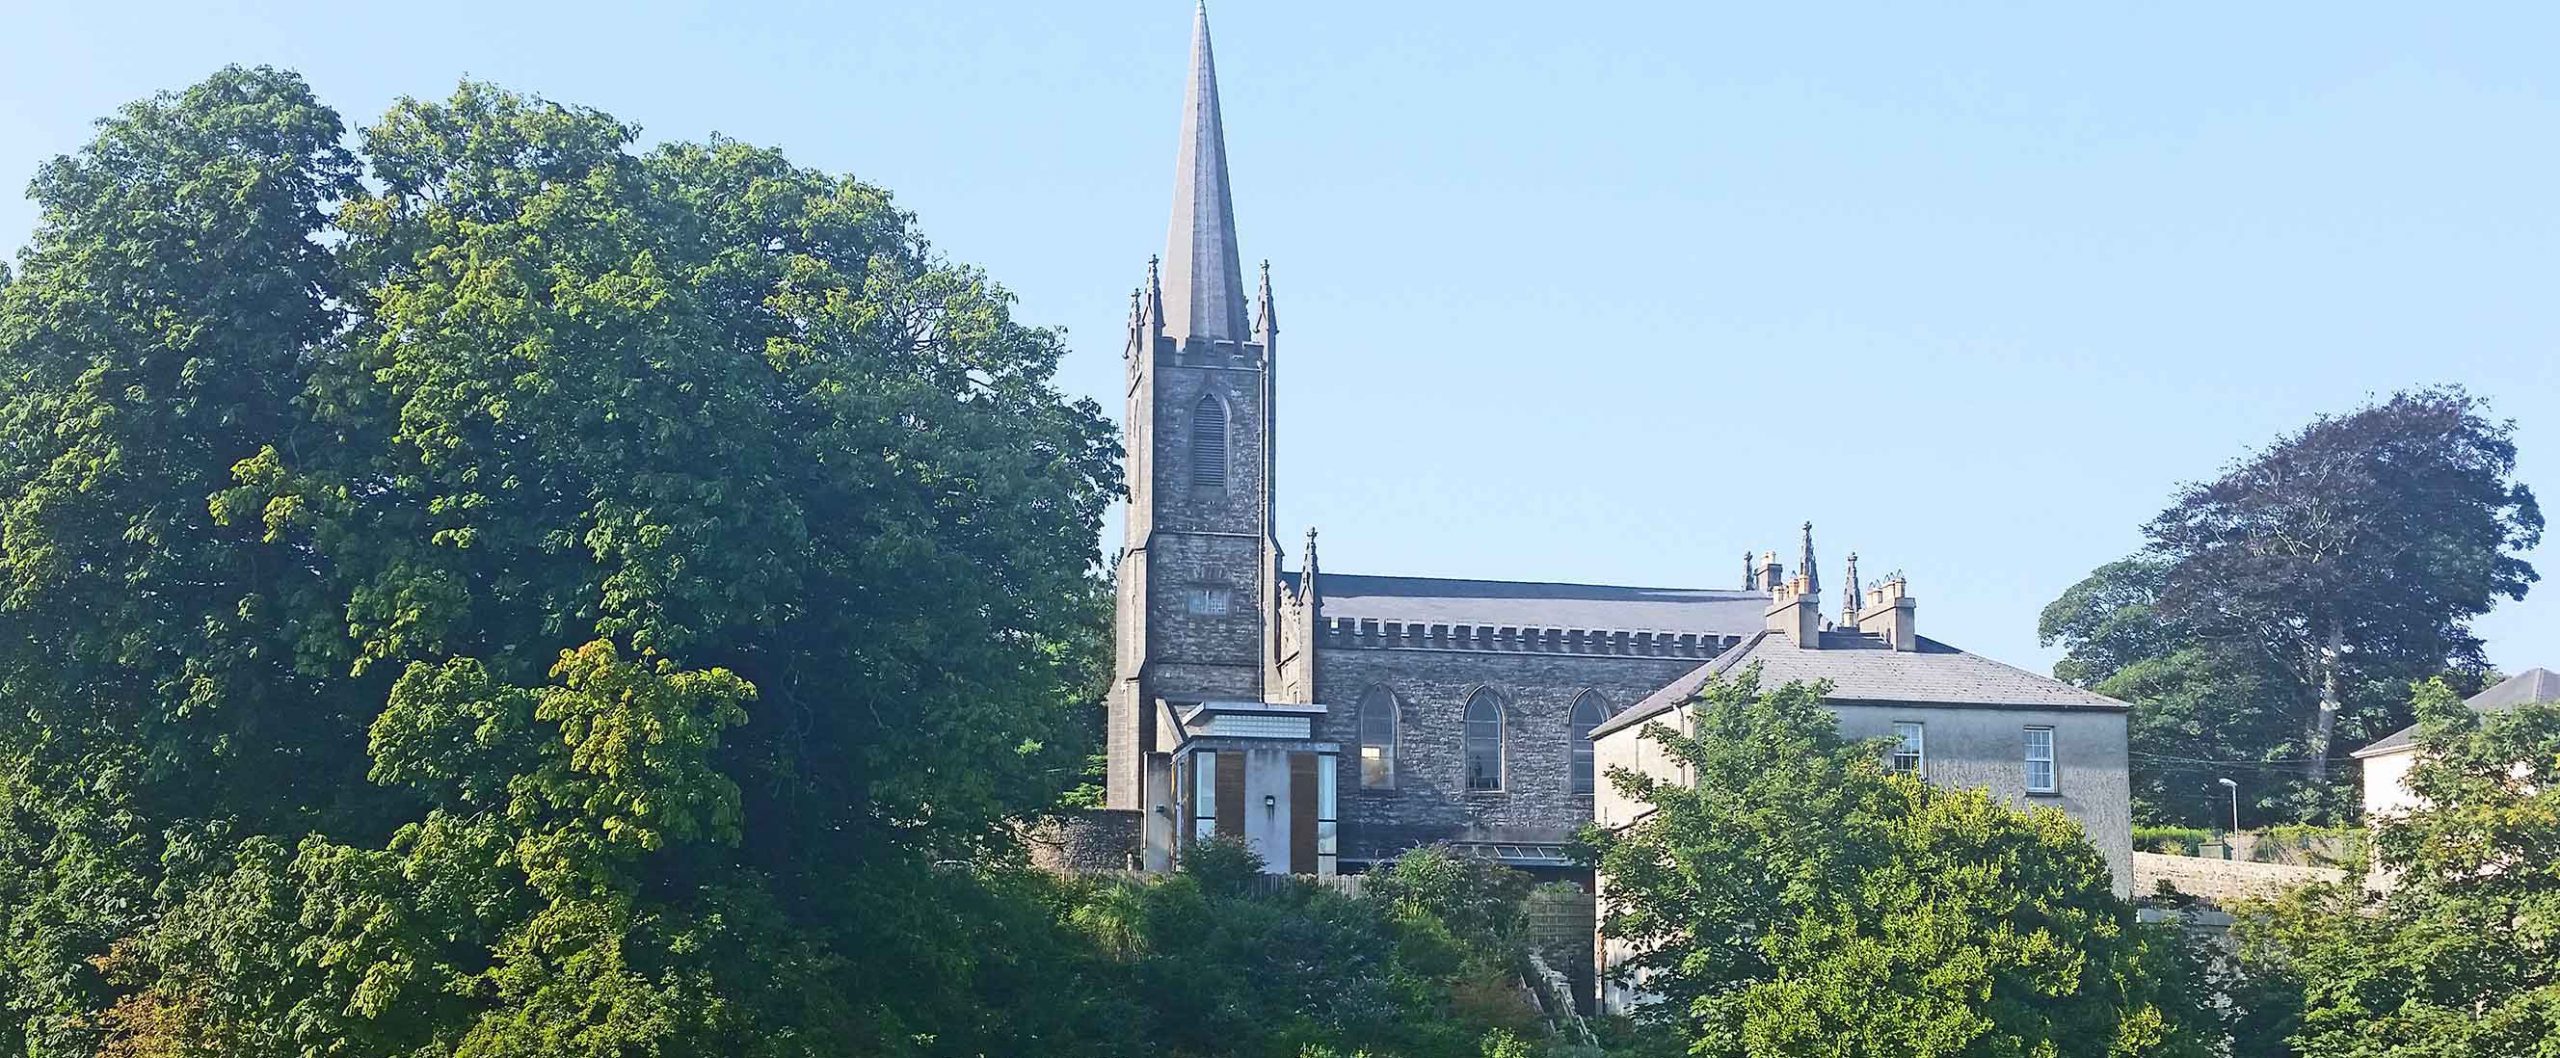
column 1094, row 840
column 1183, row 538
column 1233, row 374
column 2221, row 881
column 1429, row 801
column 1205, row 654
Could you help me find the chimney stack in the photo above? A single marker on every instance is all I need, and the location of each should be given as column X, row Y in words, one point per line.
column 1772, row 575
column 1888, row 614
column 1796, row 612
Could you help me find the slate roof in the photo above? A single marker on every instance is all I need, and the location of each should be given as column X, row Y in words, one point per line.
column 1862, row 668
column 1531, row 604
column 2523, row 688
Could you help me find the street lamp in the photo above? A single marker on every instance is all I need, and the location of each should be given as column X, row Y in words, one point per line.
column 2235, row 807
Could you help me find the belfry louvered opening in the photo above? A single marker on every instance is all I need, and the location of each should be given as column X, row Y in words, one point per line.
column 1209, row 444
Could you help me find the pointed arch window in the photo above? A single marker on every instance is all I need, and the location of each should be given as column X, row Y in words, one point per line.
column 1589, row 711
column 1378, row 738
column 1484, row 741
column 1209, row 443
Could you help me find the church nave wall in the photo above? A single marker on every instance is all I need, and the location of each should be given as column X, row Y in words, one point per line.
column 1430, row 801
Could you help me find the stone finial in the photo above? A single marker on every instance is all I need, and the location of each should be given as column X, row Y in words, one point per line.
column 1804, row 565
column 1750, row 571
column 1849, row 595
column 1266, row 323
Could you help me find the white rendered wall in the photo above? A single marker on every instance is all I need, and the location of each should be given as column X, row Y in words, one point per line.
column 2386, row 783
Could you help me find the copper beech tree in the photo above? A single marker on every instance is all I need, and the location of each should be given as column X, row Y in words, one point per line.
column 2281, row 610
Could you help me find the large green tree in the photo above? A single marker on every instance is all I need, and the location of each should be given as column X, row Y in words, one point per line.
column 545, row 598
column 2319, row 576
column 2458, row 958
column 2204, row 708
column 1788, row 897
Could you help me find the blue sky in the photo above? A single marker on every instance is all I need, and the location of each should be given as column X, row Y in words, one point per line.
column 1614, row 292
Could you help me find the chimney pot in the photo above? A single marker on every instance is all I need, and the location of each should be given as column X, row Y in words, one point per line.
column 1889, row 614
column 1796, row 614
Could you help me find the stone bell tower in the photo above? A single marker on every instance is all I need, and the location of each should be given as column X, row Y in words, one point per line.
column 1198, row 573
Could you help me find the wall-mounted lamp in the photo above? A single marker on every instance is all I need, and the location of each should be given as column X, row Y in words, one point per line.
column 1270, row 803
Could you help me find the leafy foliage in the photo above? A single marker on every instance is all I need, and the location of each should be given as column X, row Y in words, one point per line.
column 1392, row 974
column 2280, row 611
column 2456, row 960
column 547, row 599
column 2180, row 841
column 1793, row 898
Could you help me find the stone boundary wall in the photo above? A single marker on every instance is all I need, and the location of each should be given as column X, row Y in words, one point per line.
column 2220, row 881
column 1563, row 924
column 1093, row 839
column 1560, row 918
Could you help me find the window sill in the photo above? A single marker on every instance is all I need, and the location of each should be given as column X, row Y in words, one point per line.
column 2044, row 793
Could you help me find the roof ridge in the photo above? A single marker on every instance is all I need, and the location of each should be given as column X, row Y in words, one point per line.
column 1646, row 708
column 1734, row 654
column 2029, row 673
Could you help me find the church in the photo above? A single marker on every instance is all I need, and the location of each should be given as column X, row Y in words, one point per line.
column 1334, row 720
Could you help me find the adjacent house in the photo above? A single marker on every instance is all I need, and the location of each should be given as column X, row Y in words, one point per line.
column 2387, row 762
column 1953, row 718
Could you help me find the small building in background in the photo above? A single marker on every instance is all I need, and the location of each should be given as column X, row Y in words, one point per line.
column 2387, row 762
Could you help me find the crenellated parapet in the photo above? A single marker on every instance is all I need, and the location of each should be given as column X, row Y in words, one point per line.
column 1371, row 634
column 1212, row 353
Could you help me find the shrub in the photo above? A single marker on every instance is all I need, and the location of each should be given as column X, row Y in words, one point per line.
column 1225, row 866
column 2310, row 845
column 2176, row 841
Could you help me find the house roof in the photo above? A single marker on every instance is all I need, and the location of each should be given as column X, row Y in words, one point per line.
column 2523, row 688
column 1533, row 604
column 1862, row 668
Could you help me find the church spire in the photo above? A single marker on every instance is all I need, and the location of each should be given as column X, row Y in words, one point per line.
column 1205, row 287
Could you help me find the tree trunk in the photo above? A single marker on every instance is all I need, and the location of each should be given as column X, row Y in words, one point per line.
column 2326, row 723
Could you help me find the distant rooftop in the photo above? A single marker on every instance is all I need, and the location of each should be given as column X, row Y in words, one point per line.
column 1862, row 668
column 2524, row 688
column 1533, row 604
